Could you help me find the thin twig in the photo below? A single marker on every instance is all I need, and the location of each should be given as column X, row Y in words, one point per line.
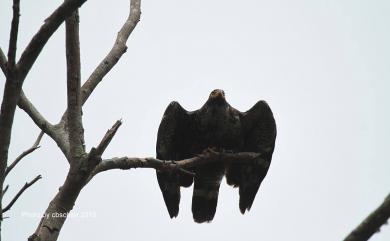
column 3, row 62
column 5, row 189
column 372, row 223
column 27, row 185
column 13, row 38
column 25, row 153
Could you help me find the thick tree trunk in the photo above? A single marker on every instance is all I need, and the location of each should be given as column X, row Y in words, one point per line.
column 56, row 213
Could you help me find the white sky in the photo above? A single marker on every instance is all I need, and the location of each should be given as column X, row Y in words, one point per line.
column 323, row 66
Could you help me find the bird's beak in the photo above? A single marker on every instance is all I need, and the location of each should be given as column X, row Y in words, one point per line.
column 217, row 95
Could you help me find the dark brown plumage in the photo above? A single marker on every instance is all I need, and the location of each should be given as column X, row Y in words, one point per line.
column 217, row 125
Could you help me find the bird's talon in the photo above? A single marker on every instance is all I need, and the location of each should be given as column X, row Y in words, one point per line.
column 211, row 150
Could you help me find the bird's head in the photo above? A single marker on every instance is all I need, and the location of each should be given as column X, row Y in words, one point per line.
column 217, row 95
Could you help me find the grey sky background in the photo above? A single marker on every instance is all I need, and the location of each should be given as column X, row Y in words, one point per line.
column 323, row 67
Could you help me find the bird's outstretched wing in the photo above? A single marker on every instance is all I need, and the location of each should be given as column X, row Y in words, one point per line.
column 172, row 144
column 259, row 133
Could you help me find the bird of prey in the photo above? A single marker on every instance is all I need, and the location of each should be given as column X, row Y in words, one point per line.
column 184, row 134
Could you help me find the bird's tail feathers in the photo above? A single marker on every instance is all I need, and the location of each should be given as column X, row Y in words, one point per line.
column 205, row 194
column 170, row 189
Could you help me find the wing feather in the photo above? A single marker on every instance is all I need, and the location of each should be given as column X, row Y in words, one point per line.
column 259, row 132
column 172, row 145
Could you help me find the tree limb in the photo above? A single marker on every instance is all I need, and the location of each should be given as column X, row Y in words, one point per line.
column 50, row 226
column 126, row 163
column 95, row 155
column 25, row 104
column 114, row 55
column 27, row 185
column 372, row 223
column 15, row 78
column 74, row 120
column 35, row 46
column 25, row 153
column 57, row 133
column 13, row 38
column 3, row 62
column 107, row 138
column 11, row 95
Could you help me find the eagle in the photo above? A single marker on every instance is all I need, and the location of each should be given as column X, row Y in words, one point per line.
column 216, row 125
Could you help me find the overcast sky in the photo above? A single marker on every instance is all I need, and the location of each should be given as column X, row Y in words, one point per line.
column 323, row 67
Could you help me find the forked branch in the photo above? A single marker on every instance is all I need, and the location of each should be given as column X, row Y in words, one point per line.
column 56, row 133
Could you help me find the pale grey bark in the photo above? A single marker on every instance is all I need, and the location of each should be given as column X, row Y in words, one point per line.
column 74, row 122
column 35, row 46
column 56, row 132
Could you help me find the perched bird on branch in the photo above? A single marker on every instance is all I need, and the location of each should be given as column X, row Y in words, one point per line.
column 216, row 125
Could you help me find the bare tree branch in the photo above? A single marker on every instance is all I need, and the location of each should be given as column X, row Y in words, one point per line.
column 27, row 185
column 33, row 49
column 372, row 223
column 25, row 104
column 74, row 121
column 25, row 153
column 107, row 138
column 114, row 55
column 126, row 163
column 57, row 133
column 94, row 156
column 13, row 38
column 3, row 62
column 50, row 226
column 5, row 189
column 15, row 78
column 11, row 95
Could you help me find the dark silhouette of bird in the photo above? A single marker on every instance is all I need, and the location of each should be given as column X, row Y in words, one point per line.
column 184, row 134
